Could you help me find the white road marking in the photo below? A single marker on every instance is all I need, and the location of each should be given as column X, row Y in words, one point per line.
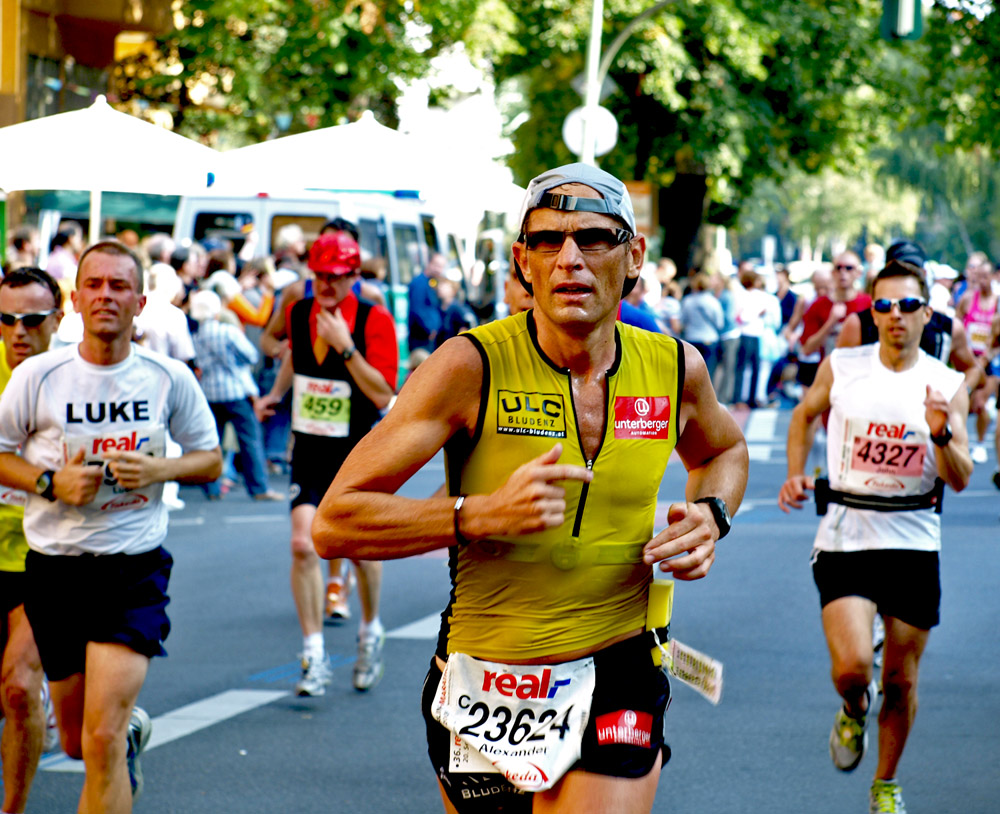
column 426, row 628
column 971, row 493
column 184, row 721
column 761, row 425
column 232, row 519
column 759, row 452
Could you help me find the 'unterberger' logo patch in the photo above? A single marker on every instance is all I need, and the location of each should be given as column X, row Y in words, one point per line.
column 531, row 414
column 642, row 417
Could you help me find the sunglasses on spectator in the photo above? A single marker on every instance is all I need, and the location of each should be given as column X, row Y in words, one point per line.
column 29, row 320
column 842, row 267
column 550, row 241
column 907, row 305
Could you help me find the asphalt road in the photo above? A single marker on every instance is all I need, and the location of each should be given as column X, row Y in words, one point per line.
column 230, row 736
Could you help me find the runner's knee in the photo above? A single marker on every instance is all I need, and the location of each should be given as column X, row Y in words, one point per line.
column 302, row 547
column 20, row 694
column 899, row 689
column 103, row 745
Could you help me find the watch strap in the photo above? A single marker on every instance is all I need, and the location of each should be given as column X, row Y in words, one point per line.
column 48, row 485
column 460, row 538
column 944, row 438
column 720, row 512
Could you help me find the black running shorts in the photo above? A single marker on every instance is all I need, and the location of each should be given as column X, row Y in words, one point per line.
column 905, row 585
column 626, row 679
column 113, row 598
column 11, row 591
column 315, row 462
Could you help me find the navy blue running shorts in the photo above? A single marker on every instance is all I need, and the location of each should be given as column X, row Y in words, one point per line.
column 315, row 462
column 11, row 591
column 113, row 598
column 626, row 679
column 905, row 585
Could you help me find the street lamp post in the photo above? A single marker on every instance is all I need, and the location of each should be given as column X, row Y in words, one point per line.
column 593, row 88
column 598, row 67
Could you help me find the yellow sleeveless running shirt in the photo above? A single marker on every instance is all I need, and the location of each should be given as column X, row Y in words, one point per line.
column 582, row 583
column 13, row 546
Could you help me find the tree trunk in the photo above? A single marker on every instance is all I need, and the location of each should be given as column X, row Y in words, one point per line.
column 681, row 208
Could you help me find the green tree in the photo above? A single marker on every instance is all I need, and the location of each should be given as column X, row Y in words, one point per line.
column 959, row 90
column 711, row 98
column 237, row 71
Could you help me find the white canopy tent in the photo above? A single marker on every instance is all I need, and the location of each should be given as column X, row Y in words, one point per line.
column 366, row 156
column 363, row 156
column 100, row 149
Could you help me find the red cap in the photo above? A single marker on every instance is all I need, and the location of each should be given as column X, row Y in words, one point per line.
column 336, row 253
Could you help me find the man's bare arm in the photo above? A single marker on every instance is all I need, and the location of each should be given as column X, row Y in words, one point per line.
column 75, row 483
column 962, row 357
column 714, row 453
column 954, row 464
column 709, row 442
column 361, row 517
column 133, row 470
column 818, row 339
column 850, row 332
column 813, row 404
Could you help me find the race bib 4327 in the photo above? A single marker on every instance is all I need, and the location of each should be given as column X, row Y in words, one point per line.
column 883, row 458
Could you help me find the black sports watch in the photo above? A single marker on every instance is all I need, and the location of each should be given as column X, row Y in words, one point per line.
column 942, row 439
column 720, row 511
column 348, row 353
column 45, row 486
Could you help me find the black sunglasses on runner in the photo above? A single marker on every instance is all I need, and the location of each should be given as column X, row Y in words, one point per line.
column 550, row 241
column 29, row 320
column 907, row 305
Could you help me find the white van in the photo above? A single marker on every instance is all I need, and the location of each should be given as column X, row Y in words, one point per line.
column 396, row 226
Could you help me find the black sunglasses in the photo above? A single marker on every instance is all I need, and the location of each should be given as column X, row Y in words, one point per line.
column 29, row 320
column 550, row 241
column 907, row 305
column 843, row 267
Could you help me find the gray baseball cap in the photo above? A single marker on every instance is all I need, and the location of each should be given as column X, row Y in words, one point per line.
column 615, row 199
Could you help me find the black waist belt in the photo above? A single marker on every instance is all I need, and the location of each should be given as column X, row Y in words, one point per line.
column 904, row 503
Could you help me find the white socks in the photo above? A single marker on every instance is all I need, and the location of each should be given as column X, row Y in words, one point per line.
column 371, row 630
column 312, row 646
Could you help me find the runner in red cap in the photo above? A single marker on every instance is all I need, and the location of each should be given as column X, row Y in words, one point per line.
column 342, row 372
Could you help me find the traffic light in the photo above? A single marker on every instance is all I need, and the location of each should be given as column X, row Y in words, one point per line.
column 902, row 20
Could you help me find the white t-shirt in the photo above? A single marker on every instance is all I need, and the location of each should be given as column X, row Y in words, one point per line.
column 164, row 328
column 878, row 443
column 56, row 402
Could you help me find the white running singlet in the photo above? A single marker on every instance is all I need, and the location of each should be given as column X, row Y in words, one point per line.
column 878, row 443
column 56, row 402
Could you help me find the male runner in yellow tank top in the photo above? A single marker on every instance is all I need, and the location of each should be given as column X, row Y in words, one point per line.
column 557, row 425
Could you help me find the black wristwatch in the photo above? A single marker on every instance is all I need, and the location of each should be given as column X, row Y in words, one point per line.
column 45, row 486
column 720, row 511
column 942, row 439
column 348, row 353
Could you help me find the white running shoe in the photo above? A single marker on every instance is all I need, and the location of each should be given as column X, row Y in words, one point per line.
column 878, row 640
column 315, row 676
column 886, row 797
column 979, row 454
column 849, row 736
column 51, row 741
column 140, row 728
column 369, row 667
